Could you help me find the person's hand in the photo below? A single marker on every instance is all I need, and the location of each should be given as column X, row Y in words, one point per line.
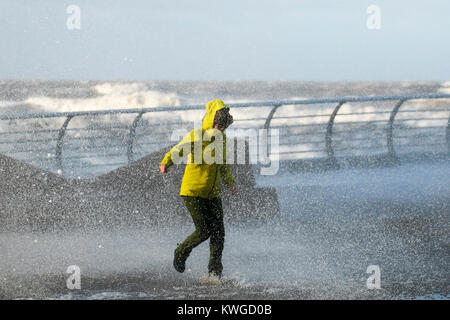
column 233, row 189
column 163, row 168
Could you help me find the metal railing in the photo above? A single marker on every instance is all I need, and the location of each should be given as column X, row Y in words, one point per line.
column 128, row 141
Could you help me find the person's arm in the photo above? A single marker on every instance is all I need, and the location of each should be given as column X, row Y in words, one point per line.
column 177, row 149
column 225, row 171
column 227, row 177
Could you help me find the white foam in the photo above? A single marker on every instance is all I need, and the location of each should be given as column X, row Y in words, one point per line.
column 111, row 96
column 445, row 87
column 6, row 103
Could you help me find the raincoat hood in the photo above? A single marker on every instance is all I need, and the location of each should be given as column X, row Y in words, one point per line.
column 211, row 108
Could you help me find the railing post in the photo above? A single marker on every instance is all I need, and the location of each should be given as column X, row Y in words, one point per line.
column 59, row 142
column 270, row 116
column 132, row 135
column 390, row 131
column 331, row 160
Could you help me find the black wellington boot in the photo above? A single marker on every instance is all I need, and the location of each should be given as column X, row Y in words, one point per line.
column 179, row 262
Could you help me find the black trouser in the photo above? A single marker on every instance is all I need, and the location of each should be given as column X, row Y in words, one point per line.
column 208, row 219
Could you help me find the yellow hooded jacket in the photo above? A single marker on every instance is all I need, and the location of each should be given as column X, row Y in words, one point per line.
column 201, row 177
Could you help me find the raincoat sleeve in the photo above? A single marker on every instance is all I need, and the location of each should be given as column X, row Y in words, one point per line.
column 227, row 176
column 225, row 171
column 178, row 149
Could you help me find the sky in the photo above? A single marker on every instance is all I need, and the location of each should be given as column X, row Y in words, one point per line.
column 226, row 40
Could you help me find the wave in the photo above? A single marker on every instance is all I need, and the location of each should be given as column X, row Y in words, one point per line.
column 445, row 87
column 110, row 96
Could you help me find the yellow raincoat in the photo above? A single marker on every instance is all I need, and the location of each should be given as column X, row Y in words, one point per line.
column 201, row 177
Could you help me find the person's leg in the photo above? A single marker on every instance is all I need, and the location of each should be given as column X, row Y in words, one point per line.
column 198, row 208
column 217, row 233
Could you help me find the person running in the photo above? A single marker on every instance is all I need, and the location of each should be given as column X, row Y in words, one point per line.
column 200, row 187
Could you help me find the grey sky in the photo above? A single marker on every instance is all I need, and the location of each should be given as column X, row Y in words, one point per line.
column 225, row 40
